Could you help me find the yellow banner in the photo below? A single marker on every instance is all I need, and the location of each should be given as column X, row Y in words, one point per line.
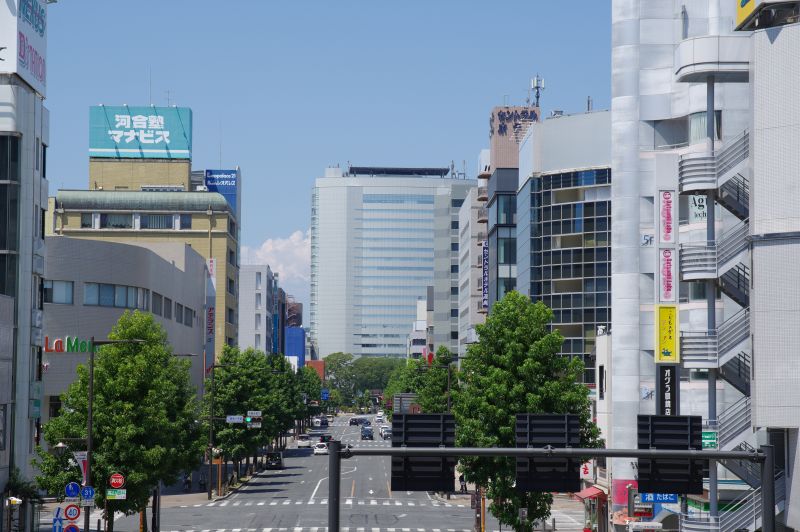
column 744, row 8
column 667, row 335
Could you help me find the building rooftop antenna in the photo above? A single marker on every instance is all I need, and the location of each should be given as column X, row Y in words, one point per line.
column 537, row 86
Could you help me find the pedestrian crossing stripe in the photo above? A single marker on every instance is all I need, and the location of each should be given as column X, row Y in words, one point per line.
column 325, row 529
column 347, row 502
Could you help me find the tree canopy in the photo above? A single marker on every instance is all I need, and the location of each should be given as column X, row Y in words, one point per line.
column 515, row 368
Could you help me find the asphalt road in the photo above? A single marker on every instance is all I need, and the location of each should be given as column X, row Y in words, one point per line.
column 295, row 499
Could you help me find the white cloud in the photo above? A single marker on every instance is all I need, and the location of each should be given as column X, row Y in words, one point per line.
column 290, row 257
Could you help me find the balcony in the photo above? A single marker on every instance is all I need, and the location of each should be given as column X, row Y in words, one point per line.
column 480, row 308
column 483, row 193
column 720, row 56
column 710, row 260
column 483, row 215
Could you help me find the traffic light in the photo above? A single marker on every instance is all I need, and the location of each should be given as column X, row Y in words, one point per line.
column 548, row 473
column 671, row 475
column 253, row 419
column 423, row 473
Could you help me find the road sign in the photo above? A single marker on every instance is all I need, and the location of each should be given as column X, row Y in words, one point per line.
column 72, row 527
column 87, row 492
column 234, row 419
column 72, row 512
column 72, row 489
column 709, row 439
column 325, row 394
column 116, row 495
column 255, row 425
column 116, row 480
column 664, row 498
column 254, row 413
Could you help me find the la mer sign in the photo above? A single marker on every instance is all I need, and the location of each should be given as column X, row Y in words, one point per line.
column 68, row 344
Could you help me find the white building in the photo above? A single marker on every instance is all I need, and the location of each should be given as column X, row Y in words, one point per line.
column 256, row 304
column 472, row 243
column 379, row 238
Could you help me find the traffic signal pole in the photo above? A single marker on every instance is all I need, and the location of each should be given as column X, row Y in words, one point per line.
column 764, row 456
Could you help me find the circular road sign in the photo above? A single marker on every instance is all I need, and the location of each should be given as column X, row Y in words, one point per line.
column 72, row 527
column 72, row 489
column 72, row 512
column 116, row 481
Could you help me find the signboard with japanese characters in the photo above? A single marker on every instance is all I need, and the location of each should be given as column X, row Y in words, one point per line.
column 668, row 397
column 23, row 41
column 666, row 274
column 140, row 132
column 666, row 216
column 485, row 275
column 667, row 350
column 226, row 182
column 587, row 471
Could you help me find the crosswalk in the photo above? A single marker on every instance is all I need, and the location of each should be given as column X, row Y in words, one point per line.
column 325, row 529
column 351, row 501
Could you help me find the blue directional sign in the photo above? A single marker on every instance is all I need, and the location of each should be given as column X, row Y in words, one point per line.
column 72, row 489
column 666, row 498
column 325, row 394
column 87, row 492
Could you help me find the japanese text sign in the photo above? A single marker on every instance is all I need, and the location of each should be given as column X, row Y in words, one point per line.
column 140, row 132
column 666, row 216
column 23, row 41
column 667, row 349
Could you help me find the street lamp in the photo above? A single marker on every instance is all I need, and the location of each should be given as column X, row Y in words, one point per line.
column 92, row 348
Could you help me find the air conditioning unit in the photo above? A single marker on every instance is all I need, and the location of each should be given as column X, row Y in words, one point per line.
column 201, row 188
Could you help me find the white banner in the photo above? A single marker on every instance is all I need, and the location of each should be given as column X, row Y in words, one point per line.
column 666, row 275
column 587, row 470
column 666, row 216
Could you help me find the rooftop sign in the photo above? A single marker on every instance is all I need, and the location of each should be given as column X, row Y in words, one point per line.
column 127, row 132
column 23, row 41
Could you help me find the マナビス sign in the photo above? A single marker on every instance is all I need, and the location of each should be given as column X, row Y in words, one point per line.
column 116, row 480
column 126, row 132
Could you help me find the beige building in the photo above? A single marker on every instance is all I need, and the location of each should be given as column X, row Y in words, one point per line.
column 138, row 174
column 203, row 220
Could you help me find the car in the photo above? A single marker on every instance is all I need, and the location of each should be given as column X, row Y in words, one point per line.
column 329, row 417
column 354, row 421
column 366, row 423
column 380, row 413
column 387, row 434
column 316, row 422
column 321, row 448
column 378, row 419
column 383, row 428
column 366, row 433
column 303, row 440
column 323, row 422
column 325, row 438
column 274, row 460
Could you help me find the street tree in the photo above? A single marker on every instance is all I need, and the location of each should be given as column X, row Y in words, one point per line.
column 144, row 419
column 339, row 374
column 372, row 373
column 515, row 368
column 311, row 388
column 433, row 390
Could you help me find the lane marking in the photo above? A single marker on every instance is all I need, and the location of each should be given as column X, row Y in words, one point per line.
column 261, row 503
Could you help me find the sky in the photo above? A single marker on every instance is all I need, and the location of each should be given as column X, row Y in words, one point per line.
column 284, row 89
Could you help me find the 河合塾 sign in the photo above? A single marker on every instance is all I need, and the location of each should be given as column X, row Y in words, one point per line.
column 127, row 132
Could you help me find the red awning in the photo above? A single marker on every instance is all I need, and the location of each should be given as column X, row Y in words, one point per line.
column 592, row 492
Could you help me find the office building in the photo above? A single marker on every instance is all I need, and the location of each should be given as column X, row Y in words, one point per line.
column 256, row 283
column 296, row 346
column 563, row 226
column 202, row 220
column 420, row 342
column 278, row 318
column 90, row 284
column 507, row 126
column 473, row 262
column 24, row 140
column 379, row 238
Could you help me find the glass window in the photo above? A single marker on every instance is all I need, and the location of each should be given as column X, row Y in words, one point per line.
column 454, row 268
column 258, row 300
column 186, row 221
column 258, row 321
column 231, row 257
column 453, row 246
column 86, row 220
column 91, row 294
column 3, row 414
column 58, row 292
column 155, row 221
column 116, row 221
column 453, row 312
column 506, row 209
column 178, row 312
column 454, row 335
column 9, row 158
column 120, row 296
column 106, row 295
column 258, row 282
column 132, row 298
column 167, row 308
column 506, row 250
column 697, row 126
column 457, row 203
column 258, row 341
column 453, row 290
column 157, row 303
column 454, row 224
column 230, row 316
column 144, row 298
column 188, row 316
column 231, row 286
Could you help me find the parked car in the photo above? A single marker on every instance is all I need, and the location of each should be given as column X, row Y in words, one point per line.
column 274, row 460
column 387, row 434
column 303, row 441
column 366, row 433
column 321, row 448
column 358, row 420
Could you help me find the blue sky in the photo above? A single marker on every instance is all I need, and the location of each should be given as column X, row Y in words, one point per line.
column 290, row 87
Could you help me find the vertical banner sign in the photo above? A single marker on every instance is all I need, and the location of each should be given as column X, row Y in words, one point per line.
column 23, row 41
column 82, row 457
column 667, row 349
column 666, row 211
column 485, row 275
column 666, row 275
column 211, row 302
column 668, row 397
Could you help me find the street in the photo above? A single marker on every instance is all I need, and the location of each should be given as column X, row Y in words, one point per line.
column 295, row 499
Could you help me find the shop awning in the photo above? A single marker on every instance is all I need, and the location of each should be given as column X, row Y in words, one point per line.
column 592, row 492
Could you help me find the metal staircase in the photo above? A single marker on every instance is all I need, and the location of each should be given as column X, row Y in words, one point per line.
column 710, row 260
column 735, row 283
column 737, row 372
column 716, row 348
column 746, row 470
column 734, row 424
column 734, row 195
column 699, row 173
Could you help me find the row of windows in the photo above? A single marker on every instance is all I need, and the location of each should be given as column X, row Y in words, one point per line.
column 398, row 211
column 162, row 306
column 396, row 268
column 577, row 210
column 395, row 239
column 577, row 301
column 405, row 220
column 404, row 259
column 571, row 271
column 115, row 295
column 398, row 198
column 572, row 256
column 578, row 225
column 403, row 249
column 104, row 220
column 600, row 316
column 573, row 179
column 398, row 229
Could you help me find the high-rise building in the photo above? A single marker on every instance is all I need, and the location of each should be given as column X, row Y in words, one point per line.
column 379, row 238
column 256, row 283
column 507, row 126
column 563, row 226
column 24, row 139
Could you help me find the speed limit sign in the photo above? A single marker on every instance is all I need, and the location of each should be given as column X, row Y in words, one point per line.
column 72, row 512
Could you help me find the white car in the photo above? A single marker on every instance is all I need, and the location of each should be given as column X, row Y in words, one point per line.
column 321, row 448
column 383, row 429
column 380, row 413
column 303, row 441
column 378, row 419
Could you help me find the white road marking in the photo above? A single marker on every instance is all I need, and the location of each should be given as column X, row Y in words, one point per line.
column 224, row 503
column 360, row 502
column 287, row 502
column 348, row 501
column 373, row 502
column 237, row 503
column 298, row 502
column 211, row 504
column 312, row 501
column 398, row 503
column 273, row 503
column 411, row 503
column 324, row 501
column 261, row 503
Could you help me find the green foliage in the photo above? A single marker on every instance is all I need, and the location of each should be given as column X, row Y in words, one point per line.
column 310, row 385
column 21, row 488
column 372, row 373
column 515, row 368
column 432, row 391
column 339, row 375
column 145, row 417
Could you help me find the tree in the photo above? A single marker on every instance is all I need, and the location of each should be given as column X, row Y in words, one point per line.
column 339, row 374
column 372, row 373
column 515, row 368
column 433, row 390
column 145, row 418
column 310, row 386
